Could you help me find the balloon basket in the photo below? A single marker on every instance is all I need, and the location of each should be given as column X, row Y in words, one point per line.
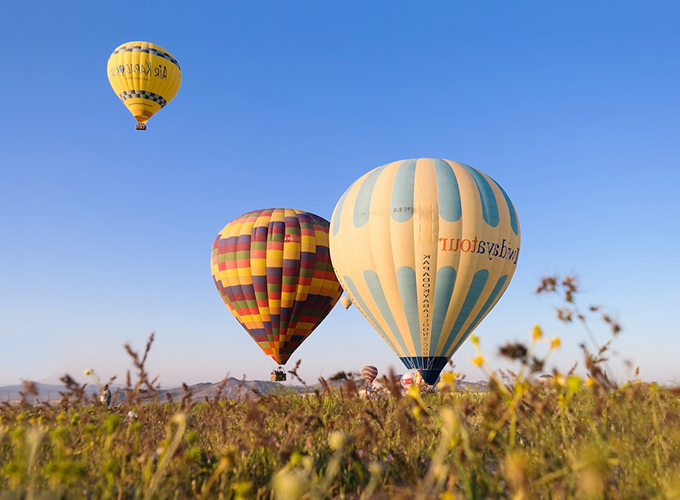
column 140, row 126
column 278, row 375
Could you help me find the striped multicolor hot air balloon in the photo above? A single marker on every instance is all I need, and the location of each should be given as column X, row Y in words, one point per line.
column 272, row 268
column 425, row 248
column 369, row 373
column 145, row 77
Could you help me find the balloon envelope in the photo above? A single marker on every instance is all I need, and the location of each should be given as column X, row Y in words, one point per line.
column 145, row 77
column 424, row 248
column 272, row 268
column 407, row 379
column 346, row 302
column 369, row 373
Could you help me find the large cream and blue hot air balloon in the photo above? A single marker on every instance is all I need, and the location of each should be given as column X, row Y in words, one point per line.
column 424, row 248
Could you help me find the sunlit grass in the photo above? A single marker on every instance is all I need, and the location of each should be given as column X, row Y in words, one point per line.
column 569, row 437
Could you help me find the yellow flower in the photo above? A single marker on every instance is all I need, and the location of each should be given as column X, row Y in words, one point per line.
column 337, row 440
column 479, row 360
column 88, row 371
column 414, row 391
column 573, row 383
column 590, row 382
column 555, row 343
column 448, row 380
column 536, row 334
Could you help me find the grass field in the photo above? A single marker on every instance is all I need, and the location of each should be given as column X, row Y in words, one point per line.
column 572, row 437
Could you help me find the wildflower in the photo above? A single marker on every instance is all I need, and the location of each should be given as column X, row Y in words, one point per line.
column 337, row 440
column 179, row 418
column 555, row 343
column 536, row 333
column 573, row 383
column 289, row 484
column 88, row 371
column 242, row 489
column 478, row 360
column 375, row 468
column 475, row 340
column 448, row 380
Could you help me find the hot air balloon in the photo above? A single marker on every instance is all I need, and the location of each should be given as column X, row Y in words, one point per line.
column 425, row 248
column 407, row 379
column 145, row 77
column 346, row 302
column 272, row 268
column 369, row 373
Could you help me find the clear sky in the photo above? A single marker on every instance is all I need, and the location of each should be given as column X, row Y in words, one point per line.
column 106, row 232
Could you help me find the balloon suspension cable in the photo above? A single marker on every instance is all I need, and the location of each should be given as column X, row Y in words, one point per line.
column 140, row 126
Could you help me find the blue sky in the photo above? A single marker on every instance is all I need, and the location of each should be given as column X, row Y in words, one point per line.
column 105, row 232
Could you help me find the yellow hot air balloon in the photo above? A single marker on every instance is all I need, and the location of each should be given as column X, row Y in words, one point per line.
column 145, row 77
column 346, row 302
column 424, row 248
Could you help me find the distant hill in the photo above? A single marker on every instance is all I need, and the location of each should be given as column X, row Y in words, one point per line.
column 234, row 389
column 46, row 392
column 481, row 386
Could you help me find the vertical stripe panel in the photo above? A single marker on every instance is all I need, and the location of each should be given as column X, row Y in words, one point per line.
column 377, row 293
column 486, row 195
column 448, row 193
column 514, row 223
column 475, row 290
column 337, row 213
column 446, row 280
column 362, row 205
column 359, row 301
column 401, row 207
column 493, row 298
column 406, row 278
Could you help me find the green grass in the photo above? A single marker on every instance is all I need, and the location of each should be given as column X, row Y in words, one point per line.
column 584, row 438
column 566, row 441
